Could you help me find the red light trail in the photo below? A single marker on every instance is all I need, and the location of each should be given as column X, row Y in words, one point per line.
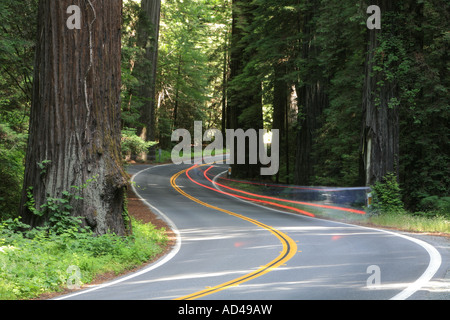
column 246, row 198
column 283, row 200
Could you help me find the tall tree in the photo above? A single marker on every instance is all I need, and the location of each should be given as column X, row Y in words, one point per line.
column 380, row 132
column 342, row 43
column 312, row 93
column 275, row 38
column 190, row 81
column 244, row 92
column 75, row 115
column 17, row 37
column 148, row 39
column 424, row 83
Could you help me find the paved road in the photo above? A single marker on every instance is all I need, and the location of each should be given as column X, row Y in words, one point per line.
column 233, row 250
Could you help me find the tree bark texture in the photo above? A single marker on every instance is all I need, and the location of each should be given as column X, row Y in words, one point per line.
column 244, row 103
column 149, row 39
column 380, row 128
column 312, row 100
column 282, row 104
column 75, row 117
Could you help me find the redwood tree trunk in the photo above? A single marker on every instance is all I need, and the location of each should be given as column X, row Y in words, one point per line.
column 280, row 113
column 149, row 39
column 380, row 132
column 312, row 99
column 244, row 103
column 75, row 115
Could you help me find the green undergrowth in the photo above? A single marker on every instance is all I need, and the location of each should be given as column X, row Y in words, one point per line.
column 32, row 264
column 412, row 223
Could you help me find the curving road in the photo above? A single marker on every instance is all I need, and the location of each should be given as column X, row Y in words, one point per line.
column 230, row 249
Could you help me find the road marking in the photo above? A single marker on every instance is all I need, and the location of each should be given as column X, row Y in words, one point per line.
column 150, row 268
column 289, row 247
column 425, row 278
column 433, row 266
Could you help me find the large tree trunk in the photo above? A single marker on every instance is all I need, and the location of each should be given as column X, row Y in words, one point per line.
column 312, row 99
column 75, row 116
column 225, row 76
column 281, row 108
column 244, row 103
column 149, row 39
column 380, row 132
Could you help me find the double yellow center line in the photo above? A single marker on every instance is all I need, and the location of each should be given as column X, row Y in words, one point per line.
column 289, row 247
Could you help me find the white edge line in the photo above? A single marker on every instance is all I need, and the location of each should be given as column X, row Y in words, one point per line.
column 435, row 256
column 154, row 266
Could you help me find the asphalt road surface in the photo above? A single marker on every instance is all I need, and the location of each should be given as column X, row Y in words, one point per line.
column 230, row 249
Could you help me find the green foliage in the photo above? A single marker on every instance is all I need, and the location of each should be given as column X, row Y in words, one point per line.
column 43, row 166
column 12, row 153
column 57, row 212
column 192, row 41
column 387, row 196
column 131, row 55
column 190, row 65
column 17, row 38
column 412, row 223
column 435, row 206
column 33, row 264
column 425, row 112
column 341, row 59
column 316, row 42
column 133, row 144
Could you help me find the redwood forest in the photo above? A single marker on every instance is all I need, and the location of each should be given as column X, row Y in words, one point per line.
column 358, row 90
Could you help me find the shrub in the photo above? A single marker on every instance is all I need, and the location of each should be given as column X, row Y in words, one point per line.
column 436, row 206
column 40, row 262
column 387, row 196
column 133, row 144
